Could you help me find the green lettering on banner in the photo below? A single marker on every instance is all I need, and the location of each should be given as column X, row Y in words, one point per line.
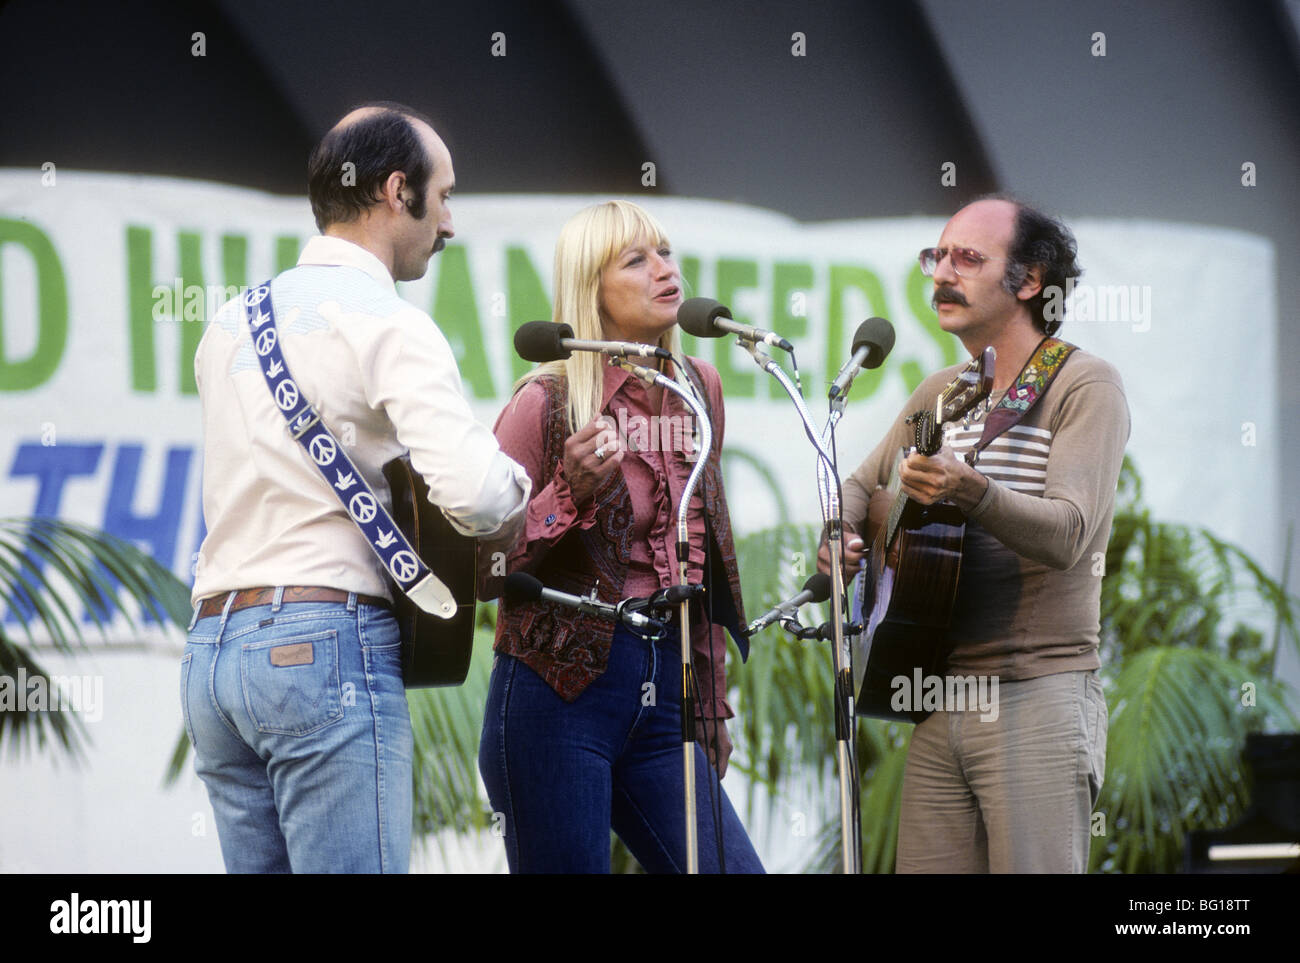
column 457, row 315
column 140, row 322
column 690, row 267
column 51, row 309
column 234, row 265
column 843, row 278
column 919, row 290
column 527, row 300
column 190, row 307
column 734, row 274
column 286, row 253
column 192, row 325
column 787, row 278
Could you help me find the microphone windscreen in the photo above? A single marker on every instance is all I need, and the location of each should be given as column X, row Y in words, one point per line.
column 696, row 316
column 522, row 587
column 820, row 586
column 878, row 335
column 540, row 341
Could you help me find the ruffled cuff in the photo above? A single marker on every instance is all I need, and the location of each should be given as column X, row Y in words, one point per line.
column 552, row 512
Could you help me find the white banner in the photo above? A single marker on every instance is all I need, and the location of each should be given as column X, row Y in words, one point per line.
column 105, row 281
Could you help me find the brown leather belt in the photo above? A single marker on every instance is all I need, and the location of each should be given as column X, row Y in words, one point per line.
column 247, row 598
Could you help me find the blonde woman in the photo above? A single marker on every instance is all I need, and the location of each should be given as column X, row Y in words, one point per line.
column 582, row 730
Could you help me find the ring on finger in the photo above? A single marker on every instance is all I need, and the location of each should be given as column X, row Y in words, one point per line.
column 600, row 453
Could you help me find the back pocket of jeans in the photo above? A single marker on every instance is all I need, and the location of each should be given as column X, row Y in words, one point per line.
column 291, row 685
column 186, row 660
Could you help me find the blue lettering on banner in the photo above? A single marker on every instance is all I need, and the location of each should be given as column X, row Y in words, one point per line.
column 52, row 466
column 157, row 531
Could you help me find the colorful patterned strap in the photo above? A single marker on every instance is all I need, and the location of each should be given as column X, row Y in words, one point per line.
column 305, row 426
column 1031, row 384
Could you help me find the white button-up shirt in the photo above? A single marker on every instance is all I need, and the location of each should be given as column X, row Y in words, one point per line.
column 384, row 379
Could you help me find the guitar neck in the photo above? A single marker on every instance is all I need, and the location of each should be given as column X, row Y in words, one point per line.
column 927, row 439
column 895, row 516
column 971, row 386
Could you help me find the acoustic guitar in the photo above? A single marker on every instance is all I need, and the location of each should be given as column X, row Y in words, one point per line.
column 907, row 590
column 435, row 651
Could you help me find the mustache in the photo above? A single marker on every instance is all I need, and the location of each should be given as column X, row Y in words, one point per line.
column 439, row 244
column 946, row 294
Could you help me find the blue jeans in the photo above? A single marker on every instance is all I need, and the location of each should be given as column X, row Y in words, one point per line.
column 302, row 736
column 561, row 775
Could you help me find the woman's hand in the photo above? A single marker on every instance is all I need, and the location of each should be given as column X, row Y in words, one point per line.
column 717, row 752
column 853, row 550
column 591, row 455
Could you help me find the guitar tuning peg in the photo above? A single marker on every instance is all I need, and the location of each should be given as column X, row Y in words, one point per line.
column 965, row 422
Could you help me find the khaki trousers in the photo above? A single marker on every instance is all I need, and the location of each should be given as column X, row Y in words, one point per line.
column 1007, row 795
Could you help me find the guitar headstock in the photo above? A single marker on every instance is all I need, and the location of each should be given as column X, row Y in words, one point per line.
column 972, row 385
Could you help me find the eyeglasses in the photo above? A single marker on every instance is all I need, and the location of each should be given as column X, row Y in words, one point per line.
column 966, row 261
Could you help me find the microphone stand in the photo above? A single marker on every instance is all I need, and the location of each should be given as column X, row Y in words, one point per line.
column 652, row 377
column 832, row 518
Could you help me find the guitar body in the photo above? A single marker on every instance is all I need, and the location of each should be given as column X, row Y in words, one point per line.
column 435, row 651
column 909, row 588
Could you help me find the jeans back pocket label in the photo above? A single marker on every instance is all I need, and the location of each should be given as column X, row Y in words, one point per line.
column 298, row 697
column 299, row 654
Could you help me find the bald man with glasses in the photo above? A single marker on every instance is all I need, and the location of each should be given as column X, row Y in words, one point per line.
column 1010, row 789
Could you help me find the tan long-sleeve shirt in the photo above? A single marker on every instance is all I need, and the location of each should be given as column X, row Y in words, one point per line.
column 1028, row 598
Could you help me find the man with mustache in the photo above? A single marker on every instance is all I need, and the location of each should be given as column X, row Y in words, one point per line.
column 1011, row 790
column 291, row 682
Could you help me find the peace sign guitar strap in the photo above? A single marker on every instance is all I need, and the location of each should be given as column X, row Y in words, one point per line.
column 383, row 535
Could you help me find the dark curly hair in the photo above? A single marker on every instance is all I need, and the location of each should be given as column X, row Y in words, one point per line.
column 1040, row 241
column 376, row 145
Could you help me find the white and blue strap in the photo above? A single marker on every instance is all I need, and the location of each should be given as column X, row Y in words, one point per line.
column 305, row 426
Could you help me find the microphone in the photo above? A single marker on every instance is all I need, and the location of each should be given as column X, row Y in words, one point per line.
column 816, row 589
column 546, row 341
column 674, row 595
column 872, row 343
column 522, row 587
column 707, row 318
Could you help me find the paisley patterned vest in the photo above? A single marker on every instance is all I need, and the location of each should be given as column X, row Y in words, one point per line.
column 570, row 649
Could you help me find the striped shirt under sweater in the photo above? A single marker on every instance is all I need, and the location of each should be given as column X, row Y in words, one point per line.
column 1029, row 593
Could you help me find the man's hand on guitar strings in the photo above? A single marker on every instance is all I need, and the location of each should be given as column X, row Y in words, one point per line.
column 943, row 476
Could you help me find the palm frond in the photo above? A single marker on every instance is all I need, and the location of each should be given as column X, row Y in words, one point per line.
column 50, row 569
column 882, row 756
column 1178, row 720
column 447, row 724
column 784, row 731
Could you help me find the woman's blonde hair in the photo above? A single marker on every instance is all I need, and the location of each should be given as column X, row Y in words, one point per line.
column 591, row 239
